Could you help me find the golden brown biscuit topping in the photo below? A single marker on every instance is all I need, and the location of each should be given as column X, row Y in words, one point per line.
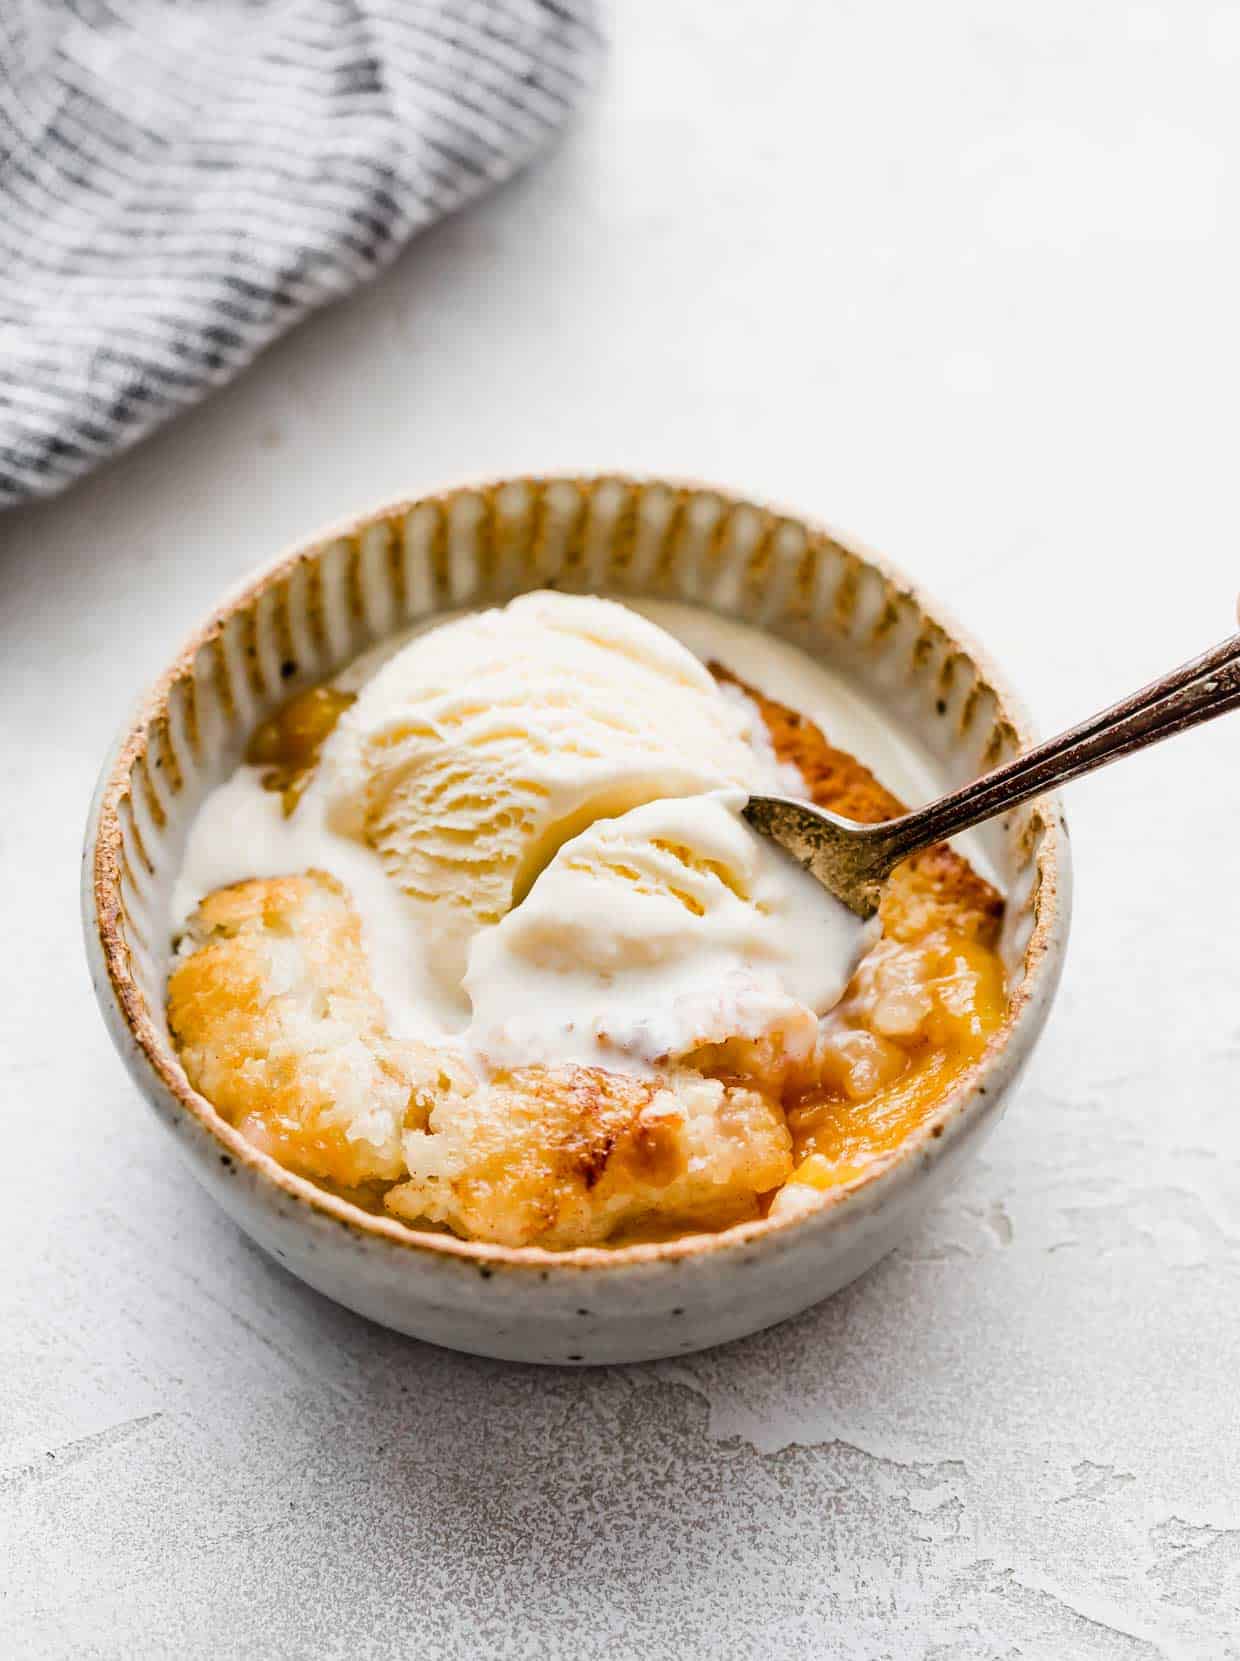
column 273, row 1011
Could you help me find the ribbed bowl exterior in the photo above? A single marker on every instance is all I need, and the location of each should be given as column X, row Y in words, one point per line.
column 312, row 612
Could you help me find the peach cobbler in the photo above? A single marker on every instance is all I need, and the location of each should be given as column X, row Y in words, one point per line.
column 478, row 937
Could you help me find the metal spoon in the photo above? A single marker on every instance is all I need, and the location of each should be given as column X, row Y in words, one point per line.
column 853, row 861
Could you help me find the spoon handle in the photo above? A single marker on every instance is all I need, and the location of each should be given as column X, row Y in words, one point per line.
column 1198, row 691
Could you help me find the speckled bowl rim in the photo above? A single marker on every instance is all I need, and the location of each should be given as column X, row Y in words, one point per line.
column 975, row 1094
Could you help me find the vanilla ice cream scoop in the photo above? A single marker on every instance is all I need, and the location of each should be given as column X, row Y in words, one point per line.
column 537, row 812
column 649, row 935
column 483, row 746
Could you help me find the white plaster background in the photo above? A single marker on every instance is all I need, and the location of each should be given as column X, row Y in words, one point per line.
column 964, row 279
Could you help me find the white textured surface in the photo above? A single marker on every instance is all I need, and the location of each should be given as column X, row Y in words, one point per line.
column 962, row 278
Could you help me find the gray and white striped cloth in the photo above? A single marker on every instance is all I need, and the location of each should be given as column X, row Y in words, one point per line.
column 181, row 180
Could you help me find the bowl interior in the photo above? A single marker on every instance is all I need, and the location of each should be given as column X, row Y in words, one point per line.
column 315, row 610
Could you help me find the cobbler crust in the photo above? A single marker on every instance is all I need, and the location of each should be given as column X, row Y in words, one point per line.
column 272, row 1009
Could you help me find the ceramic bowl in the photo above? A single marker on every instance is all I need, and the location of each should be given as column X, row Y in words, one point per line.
column 311, row 612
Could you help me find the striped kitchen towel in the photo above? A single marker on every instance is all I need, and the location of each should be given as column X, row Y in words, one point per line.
column 181, row 180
